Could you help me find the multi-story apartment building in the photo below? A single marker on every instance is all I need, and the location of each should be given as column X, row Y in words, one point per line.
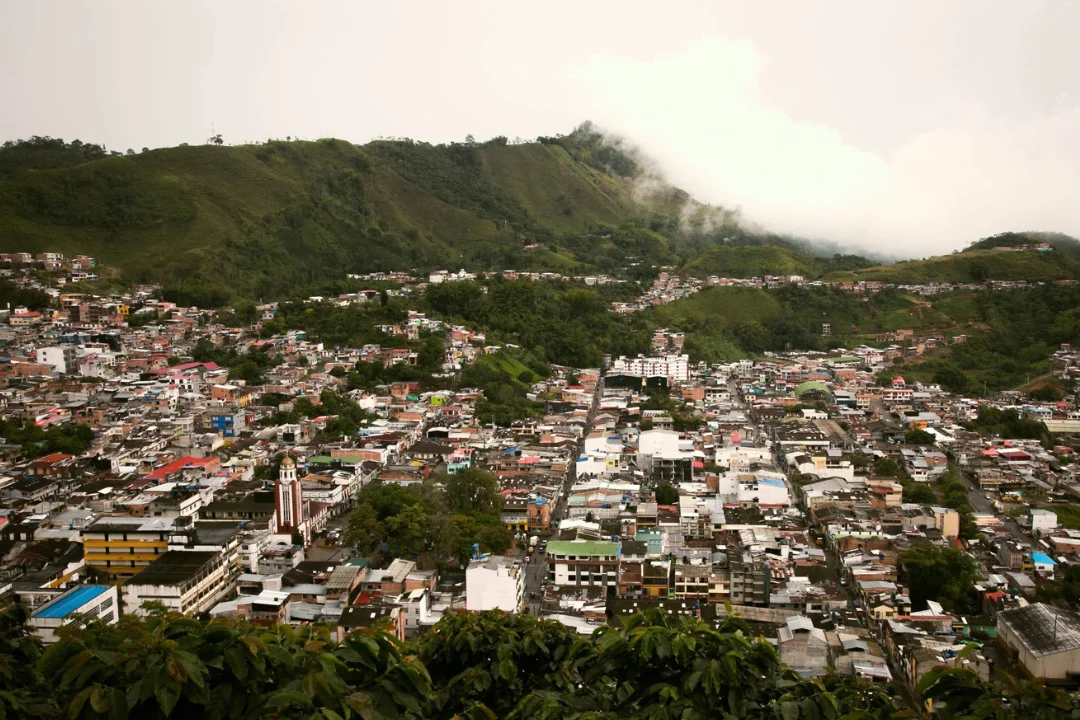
column 583, row 563
column 749, row 578
column 121, row 547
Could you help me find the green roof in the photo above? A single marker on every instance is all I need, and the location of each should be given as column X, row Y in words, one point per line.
column 582, row 547
column 811, row 385
column 327, row 460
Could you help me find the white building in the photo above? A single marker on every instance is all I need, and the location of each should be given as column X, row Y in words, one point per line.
column 416, row 604
column 761, row 487
column 100, row 602
column 1043, row 520
column 494, row 583
column 676, row 368
column 61, row 358
column 183, row 581
column 1045, row 639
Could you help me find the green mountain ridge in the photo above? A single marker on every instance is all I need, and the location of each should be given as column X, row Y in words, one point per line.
column 217, row 222
column 214, row 224
column 971, row 266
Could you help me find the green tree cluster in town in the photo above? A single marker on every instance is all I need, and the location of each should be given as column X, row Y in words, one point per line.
column 443, row 516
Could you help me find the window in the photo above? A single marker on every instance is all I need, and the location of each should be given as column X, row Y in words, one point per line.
column 107, row 603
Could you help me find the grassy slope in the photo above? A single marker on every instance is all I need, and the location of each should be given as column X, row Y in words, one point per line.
column 270, row 216
column 972, row 266
column 754, row 261
column 721, row 305
column 561, row 194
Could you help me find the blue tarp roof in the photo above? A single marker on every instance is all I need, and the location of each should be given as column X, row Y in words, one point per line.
column 70, row 603
column 1042, row 558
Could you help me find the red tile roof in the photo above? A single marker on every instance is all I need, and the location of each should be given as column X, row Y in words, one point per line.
column 176, row 466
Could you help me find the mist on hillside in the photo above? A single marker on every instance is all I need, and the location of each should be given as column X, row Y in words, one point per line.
column 966, row 177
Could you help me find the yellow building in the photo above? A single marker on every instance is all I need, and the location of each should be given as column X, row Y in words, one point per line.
column 121, row 547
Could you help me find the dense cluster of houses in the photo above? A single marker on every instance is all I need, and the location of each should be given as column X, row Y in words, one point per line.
column 777, row 511
column 773, row 489
column 205, row 494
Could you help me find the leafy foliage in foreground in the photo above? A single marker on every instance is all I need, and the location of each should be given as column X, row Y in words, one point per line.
column 470, row 666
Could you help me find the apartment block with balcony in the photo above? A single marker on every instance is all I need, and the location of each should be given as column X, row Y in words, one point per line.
column 749, row 578
column 183, row 581
column 631, row 567
column 692, row 580
column 583, row 563
column 119, row 548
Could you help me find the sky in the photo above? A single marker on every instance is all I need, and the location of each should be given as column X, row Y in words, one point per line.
column 906, row 129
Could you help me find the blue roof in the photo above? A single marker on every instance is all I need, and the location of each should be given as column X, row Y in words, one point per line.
column 1042, row 558
column 775, row 482
column 68, row 604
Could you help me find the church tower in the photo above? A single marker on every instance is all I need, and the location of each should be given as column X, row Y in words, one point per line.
column 288, row 499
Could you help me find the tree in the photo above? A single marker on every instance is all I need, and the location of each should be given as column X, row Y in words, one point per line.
column 887, row 467
column 215, row 140
column 173, row 666
column 470, row 666
column 918, row 493
column 471, row 490
column 919, row 437
column 364, row 533
column 666, row 494
column 1047, row 393
column 945, row 574
column 21, row 690
column 407, row 531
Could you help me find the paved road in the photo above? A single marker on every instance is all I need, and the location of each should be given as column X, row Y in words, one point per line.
column 536, row 565
column 979, row 503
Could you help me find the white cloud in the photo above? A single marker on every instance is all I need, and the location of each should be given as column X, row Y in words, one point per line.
column 701, row 115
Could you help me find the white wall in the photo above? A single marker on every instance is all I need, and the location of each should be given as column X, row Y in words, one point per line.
column 1043, row 522
column 493, row 589
column 660, row 443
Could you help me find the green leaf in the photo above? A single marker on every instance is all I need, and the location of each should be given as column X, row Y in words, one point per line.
column 789, row 710
column 507, row 670
column 99, row 700
column 361, row 703
column 167, row 694
column 234, row 656
column 77, row 703
column 288, row 697
column 176, row 670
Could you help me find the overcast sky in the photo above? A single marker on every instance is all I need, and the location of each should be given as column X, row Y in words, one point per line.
column 911, row 128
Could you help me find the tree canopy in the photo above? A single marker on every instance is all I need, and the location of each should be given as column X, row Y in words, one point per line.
column 473, row 666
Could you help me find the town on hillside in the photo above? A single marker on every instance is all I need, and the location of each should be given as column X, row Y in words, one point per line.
column 158, row 456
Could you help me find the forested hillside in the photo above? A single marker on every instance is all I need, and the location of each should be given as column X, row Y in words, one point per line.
column 216, row 222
